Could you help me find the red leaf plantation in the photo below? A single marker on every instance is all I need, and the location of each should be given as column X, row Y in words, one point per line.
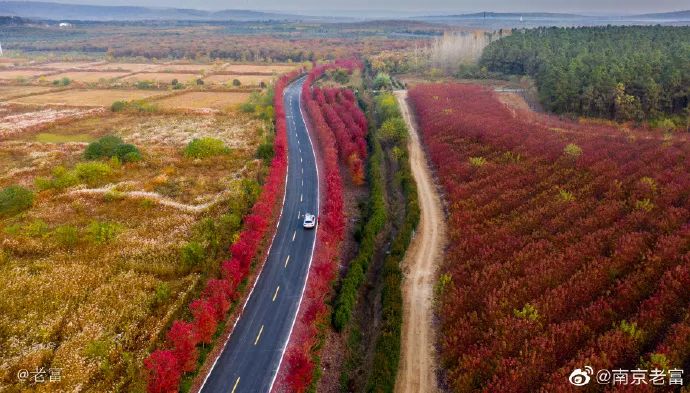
column 569, row 244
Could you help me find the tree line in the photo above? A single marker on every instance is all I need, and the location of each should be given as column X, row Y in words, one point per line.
column 618, row 72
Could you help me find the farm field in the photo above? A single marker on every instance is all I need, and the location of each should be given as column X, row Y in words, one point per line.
column 132, row 67
column 162, row 77
column 568, row 243
column 68, row 65
column 260, row 68
column 21, row 74
column 87, row 76
column 188, row 68
column 202, row 100
column 245, row 80
column 16, row 119
column 87, row 97
column 104, row 239
column 7, row 92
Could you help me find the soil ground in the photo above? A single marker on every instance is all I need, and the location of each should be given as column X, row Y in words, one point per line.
column 418, row 361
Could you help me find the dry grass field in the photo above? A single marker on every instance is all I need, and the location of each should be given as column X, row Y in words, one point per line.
column 16, row 119
column 11, row 75
column 132, row 67
column 195, row 68
column 87, row 76
column 87, row 97
column 66, row 65
column 93, row 271
column 245, row 80
column 94, row 268
column 261, row 68
column 161, row 77
column 7, row 92
column 203, row 100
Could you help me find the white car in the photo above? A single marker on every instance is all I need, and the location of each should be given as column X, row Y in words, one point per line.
column 309, row 221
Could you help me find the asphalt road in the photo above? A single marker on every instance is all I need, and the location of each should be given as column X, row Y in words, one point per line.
column 252, row 355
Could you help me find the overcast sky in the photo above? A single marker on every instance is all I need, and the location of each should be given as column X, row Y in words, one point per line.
column 423, row 7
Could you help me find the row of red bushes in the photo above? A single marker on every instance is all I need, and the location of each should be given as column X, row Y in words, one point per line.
column 344, row 117
column 569, row 244
column 166, row 366
column 299, row 371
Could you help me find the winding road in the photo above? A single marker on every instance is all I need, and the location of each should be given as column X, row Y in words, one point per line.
column 252, row 354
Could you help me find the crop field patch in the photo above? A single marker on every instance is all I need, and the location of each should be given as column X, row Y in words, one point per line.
column 87, row 76
column 16, row 122
column 245, row 80
column 202, row 100
column 195, row 68
column 132, row 67
column 87, row 97
column 66, row 65
column 261, row 68
column 162, row 77
column 236, row 131
column 7, row 92
column 11, row 74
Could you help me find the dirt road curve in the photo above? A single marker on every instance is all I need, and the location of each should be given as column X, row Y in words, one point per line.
column 417, row 362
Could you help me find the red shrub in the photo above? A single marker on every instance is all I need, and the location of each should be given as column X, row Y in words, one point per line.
column 219, row 294
column 205, row 321
column 163, row 372
column 300, row 371
column 183, row 340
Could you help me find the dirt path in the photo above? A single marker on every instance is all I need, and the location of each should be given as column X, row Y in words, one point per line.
column 418, row 362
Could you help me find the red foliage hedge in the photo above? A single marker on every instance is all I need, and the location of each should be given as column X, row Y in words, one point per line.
column 342, row 116
column 335, row 138
column 569, row 243
column 166, row 366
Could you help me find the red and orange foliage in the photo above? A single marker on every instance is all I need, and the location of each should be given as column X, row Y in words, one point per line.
column 298, row 373
column 166, row 366
column 183, row 338
column 342, row 116
column 569, row 243
column 164, row 372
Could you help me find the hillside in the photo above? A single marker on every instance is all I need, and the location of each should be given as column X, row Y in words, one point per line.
column 55, row 11
column 677, row 15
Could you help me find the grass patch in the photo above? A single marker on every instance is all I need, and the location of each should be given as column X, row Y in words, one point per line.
column 89, row 173
column 48, row 137
column 205, row 148
column 14, row 200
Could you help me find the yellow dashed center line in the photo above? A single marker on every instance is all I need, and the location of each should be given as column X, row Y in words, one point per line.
column 258, row 336
column 276, row 294
column 237, row 382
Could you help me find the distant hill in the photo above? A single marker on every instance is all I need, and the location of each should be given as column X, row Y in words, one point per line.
column 59, row 11
column 677, row 15
column 510, row 15
column 500, row 20
column 12, row 21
